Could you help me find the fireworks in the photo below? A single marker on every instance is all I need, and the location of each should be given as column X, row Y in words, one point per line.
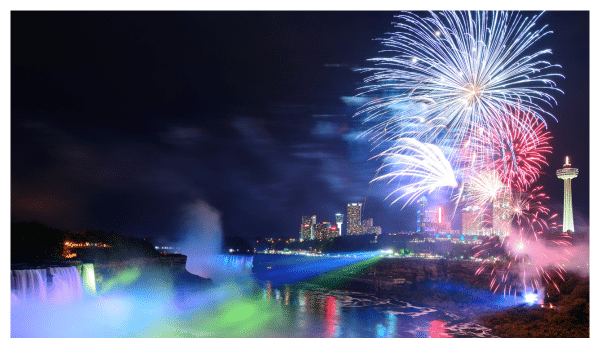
column 517, row 151
column 522, row 261
column 529, row 210
column 423, row 164
column 484, row 187
column 466, row 74
column 461, row 101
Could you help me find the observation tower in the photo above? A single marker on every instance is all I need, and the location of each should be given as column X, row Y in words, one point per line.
column 567, row 174
column 339, row 219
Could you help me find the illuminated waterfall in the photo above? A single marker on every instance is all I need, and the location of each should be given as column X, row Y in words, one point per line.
column 53, row 284
column 28, row 284
column 89, row 278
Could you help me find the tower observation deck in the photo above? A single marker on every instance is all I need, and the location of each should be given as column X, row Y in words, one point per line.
column 567, row 173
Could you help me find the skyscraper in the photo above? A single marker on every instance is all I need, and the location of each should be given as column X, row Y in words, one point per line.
column 322, row 230
column 339, row 219
column 567, row 174
column 421, row 214
column 472, row 221
column 313, row 223
column 502, row 213
column 353, row 216
column 368, row 228
column 334, row 232
column 305, row 229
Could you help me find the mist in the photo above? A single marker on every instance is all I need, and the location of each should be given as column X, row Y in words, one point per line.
column 161, row 310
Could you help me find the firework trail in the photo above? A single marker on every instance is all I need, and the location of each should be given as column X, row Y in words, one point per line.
column 484, row 187
column 523, row 261
column 453, row 70
column 530, row 256
column 462, row 97
column 530, row 212
column 517, row 150
column 423, row 164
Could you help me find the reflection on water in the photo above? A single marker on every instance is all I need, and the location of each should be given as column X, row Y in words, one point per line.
column 240, row 306
column 437, row 329
column 311, row 311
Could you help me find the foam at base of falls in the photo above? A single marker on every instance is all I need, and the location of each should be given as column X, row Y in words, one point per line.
column 53, row 284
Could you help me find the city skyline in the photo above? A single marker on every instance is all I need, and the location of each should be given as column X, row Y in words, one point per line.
column 122, row 124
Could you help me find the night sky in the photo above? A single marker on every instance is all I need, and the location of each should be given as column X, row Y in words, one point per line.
column 119, row 120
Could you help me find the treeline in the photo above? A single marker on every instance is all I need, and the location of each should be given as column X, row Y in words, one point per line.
column 33, row 242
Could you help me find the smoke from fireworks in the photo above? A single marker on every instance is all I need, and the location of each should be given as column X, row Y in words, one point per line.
column 523, row 261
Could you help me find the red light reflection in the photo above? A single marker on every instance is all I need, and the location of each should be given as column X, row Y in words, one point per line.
column 438, row 330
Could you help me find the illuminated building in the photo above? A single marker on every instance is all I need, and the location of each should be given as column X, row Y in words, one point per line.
column 439, row 222
column 322, row 231
column 477, row 219
column 472, row 221
column 353, row 216
column 374, row 230
column 305, row 229
column 313, row 223
column 502, row 214
column 368, row 227
column 334, row 231
column 431, row 220
column 567, row 174
column 339, row 219
column 421, row 214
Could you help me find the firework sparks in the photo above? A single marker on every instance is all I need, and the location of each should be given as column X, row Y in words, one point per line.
column 518, row 150
column 523, row 261
column 422, row 164
column 484, row 187
column 466, row 82
column 457, row 69
column 530, row 212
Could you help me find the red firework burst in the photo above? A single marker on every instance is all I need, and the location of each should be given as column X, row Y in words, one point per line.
column 517, row 150
column 522, row 261
column 530, row 212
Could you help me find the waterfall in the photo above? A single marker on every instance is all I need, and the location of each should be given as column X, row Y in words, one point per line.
column 66, row 284
column 89, row 278
column 236, row 263
column 28, row 284
column 52, row 284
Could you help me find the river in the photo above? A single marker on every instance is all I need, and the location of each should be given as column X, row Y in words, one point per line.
column 243, row 305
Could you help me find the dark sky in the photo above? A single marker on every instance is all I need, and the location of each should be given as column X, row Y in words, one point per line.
column 121, row 119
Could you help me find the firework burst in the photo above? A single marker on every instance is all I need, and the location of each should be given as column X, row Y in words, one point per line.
column 456, row 69
column 530, row 211
column 522, row 261
column 484, row 187
column 517, row 150
column 423, row 165
column 461, row 97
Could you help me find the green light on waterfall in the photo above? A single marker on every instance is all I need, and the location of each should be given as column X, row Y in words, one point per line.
column 89, row 279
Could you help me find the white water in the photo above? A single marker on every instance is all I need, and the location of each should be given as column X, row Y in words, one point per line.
column 32, row 285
